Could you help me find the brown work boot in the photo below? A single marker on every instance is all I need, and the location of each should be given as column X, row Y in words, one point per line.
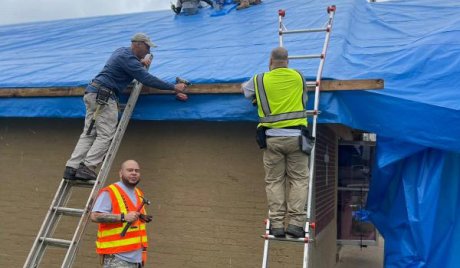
column 243, row 4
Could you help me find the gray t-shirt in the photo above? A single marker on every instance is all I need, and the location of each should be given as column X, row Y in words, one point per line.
column 104, row 204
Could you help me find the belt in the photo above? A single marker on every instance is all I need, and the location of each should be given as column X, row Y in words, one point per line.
column 291, row 127
column 294, row 127
column 98, row 86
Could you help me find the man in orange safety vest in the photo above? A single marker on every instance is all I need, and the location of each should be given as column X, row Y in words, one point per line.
column 118, row 205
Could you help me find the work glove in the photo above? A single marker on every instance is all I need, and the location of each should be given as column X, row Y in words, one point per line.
column 145, row 218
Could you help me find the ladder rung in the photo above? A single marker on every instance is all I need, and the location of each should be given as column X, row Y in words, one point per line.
column 69, row 211
column 287, row 239
column 314, row 30
column 311, row 56
column 56, row 242
column 82, row 183
column 310, row 84
column 313, row 112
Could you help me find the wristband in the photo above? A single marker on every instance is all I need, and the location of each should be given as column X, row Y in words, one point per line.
column 122, row 216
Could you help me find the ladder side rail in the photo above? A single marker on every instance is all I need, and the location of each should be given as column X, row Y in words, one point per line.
column 266, row 244
column 280, row 27
column 331, row 11
column 103, row 174
column 48, row 226
column 316, row 103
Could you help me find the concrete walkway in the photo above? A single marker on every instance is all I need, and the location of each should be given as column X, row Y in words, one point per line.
column 354, row 256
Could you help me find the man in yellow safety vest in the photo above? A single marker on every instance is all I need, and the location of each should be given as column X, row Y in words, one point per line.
column 281, row 100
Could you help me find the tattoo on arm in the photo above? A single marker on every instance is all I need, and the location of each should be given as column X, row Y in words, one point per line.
column 105, row 217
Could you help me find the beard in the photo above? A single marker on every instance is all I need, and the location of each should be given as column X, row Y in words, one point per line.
column 128, row 182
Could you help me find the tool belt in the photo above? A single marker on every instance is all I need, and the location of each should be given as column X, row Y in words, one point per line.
column 103, row 94
column 306, row 141
column 261, row 137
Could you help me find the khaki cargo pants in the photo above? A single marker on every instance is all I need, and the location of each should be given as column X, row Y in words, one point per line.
column 286, row 166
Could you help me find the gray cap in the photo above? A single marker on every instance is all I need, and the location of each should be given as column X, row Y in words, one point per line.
column 142, row 37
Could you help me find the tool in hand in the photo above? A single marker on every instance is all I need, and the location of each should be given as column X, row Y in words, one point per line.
column 102, row 98
column 182, row 80
column 128, row 224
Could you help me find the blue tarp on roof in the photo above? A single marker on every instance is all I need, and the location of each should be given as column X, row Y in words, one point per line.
column 413, row 45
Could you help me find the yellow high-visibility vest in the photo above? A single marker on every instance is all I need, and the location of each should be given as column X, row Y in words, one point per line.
column 281, row 98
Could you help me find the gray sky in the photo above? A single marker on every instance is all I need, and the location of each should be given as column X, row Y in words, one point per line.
column 18, row 11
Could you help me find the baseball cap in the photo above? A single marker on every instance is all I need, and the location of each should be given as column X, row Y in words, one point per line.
column 142, row 37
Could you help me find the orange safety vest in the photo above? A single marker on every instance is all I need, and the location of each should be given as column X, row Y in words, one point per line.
column 109, row 240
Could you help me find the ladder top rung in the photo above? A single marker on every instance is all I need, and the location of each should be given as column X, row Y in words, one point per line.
column 56, row 242
column 287, row 239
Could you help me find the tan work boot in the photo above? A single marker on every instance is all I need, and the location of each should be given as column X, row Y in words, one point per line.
column 243, row 4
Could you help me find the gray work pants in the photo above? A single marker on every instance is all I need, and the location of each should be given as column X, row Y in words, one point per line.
column 91, row 149
column 284, row 164
column 112, row 261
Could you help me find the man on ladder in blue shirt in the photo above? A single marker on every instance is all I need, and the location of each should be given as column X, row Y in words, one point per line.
column 125, row 64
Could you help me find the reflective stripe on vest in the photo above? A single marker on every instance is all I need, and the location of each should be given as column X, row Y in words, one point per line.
column 109, row 240
column 265, row 106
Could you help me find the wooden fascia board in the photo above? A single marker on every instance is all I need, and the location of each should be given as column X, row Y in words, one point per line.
column 230, row 88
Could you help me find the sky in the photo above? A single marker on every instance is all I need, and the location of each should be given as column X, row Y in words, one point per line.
column 20, row 11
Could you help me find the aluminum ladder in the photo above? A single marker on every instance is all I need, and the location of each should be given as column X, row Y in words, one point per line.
column 58, row 207
column 310, row 224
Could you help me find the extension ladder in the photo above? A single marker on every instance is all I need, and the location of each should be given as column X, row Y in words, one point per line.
column 58, row 205
column 310, row 224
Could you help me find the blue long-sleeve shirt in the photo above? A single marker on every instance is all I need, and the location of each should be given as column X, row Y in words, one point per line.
column 121, row 68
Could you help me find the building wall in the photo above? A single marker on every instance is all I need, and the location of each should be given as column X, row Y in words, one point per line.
column 205, row 181
column 325, row 177
column 325, row 245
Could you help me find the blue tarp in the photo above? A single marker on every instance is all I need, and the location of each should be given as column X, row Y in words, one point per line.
column 413, row 45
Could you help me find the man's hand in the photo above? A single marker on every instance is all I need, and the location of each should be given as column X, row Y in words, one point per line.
column 181, row 97
column 180, row 88
column 132, row 216
column 146, row 61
